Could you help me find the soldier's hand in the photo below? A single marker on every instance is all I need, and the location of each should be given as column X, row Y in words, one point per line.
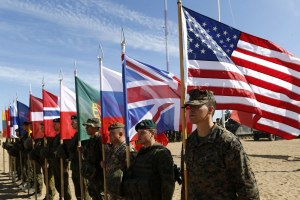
column 103, row 163
column 79, row 149
column 60, row 152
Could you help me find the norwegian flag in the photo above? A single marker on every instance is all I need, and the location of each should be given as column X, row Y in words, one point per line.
column 151, row 94
column 51, row 111
column 36, row 116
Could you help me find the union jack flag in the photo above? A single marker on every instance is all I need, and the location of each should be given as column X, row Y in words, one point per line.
column 151, row 94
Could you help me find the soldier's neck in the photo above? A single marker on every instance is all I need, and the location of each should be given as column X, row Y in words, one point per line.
column 204, row 128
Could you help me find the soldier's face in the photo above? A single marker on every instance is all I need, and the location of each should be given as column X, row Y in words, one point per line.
column 144, row 136
column 74, row 124
column 197, row 114
column 114, row 136
column 56, row 126
column 91, row 130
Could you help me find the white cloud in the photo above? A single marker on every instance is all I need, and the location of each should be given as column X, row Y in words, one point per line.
column 94, row 18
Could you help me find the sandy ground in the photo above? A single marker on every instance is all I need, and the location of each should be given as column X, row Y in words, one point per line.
column 276, row 166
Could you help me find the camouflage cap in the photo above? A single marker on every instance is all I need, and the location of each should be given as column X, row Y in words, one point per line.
column 115, row 126
column 56, row 120
column 145, row 124
column 26, row 123
column 199, row 97
column 93, row 122
column 73, row 117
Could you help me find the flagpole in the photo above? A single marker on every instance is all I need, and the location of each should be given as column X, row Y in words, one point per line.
column 166, row 34
column 182, row 99
column 125, row 98
column 219, row 19
column 61, row 142
column 46, row 160
column 100, row 58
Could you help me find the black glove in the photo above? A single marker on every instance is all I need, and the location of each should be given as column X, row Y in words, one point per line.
column 60, row 152
column 34, row 155
column 46, row 153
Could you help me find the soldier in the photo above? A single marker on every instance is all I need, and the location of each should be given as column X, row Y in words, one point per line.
column 35, row 155
column 151, row 176
column 74, row 158
column 92, row 155
column 54, row 153
column 116, row 159
column 217, row 165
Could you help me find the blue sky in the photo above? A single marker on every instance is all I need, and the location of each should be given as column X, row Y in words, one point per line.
column 40, row 38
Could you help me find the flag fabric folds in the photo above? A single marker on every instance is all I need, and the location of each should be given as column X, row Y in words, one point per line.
column 151, row 94
column 245, row 72
column 14, row 119
column 88, row 105
column 67, row 109
column 50, row 112
column 23, row 116
column 4, row 128
column 112, row 98
column 36, row 116
column 7, row 116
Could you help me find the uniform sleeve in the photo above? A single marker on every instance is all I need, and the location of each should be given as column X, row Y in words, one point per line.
column 242, row 176
column 166, row 172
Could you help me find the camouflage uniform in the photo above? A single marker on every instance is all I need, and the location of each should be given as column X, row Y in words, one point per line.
column 34, row 155
column 92, row 155
column 151, row 176
column 218, row 167
column 56, row 170
column 74, row 158
column 116, row 159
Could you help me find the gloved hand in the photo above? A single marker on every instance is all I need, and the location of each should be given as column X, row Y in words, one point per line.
column 60, row 152
column 46, row 153
column 34, row 155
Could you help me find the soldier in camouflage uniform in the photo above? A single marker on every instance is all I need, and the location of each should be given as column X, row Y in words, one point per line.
column 151, row 176
column 74, row 158
column 116, row 159
column 217, row 166
column 54, row 152
column 92, row 155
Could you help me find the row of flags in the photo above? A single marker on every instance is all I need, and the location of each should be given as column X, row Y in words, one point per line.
column 248, row 74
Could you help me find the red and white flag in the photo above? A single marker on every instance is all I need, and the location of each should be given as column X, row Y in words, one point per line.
column 67, row 109
column 36, row 116
column 245, row 72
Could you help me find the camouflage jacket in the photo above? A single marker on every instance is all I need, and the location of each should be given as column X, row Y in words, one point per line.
column 92, row 152
column 218, row 167
column 116, row 157
column 151, row 176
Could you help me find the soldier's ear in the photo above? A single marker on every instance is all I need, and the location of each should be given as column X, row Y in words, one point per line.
column 211, row 109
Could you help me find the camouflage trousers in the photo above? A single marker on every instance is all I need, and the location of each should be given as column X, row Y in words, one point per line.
column 57, row 178
column 51, row 186
column 76, row 182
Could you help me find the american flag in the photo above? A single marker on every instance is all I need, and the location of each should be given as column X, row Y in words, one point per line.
column 151, row 94
column 246, row 73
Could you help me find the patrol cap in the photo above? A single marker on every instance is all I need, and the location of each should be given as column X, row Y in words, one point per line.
column 145, row 124
column 42, row 124
column 56, row 120
column 115, row 126
column 17, row 130
column 199, row 97
column 73, row 117
column 94, row 122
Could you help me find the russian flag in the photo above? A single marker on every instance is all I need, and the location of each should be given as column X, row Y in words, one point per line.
column 67, row 109
column 51, row 111
column 112, row 98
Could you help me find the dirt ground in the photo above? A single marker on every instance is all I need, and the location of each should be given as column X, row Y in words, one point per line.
column 276, row 166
